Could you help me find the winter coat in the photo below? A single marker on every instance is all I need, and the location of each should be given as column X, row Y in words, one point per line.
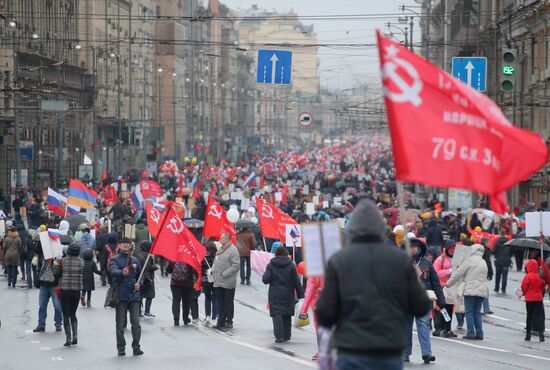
column 487, row 259
column 284, row 283
column 125, row 284
column 207, row 263
column 434, row 235
column 532, row 285
column 473, row 272
column 12, row 249
column 90, row 268
column 27, row 250
column 246, row 241
column 70, row 273
column 428, row 274
column 226, row 267
column 182, row 275
column 369, row 306
column 142, row 233
column 87, row 242
column 443, row 265
column 148, row 282
column 502, row 253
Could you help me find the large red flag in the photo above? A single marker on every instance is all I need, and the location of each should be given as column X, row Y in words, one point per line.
column 110, row 195
column 273, row 221
column 154, row 218
column 446, row 134
column 215, row 222
column 176, row 243
column 150, row 188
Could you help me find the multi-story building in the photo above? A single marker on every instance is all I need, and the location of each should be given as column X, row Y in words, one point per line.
column 278, row 107
column 39, row 63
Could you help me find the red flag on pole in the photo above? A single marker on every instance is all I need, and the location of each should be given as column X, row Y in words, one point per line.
column 446, row 134
column 150, row 188
column 216, row 222
column 180, row 186
column 154, row 218
column 273, row 221
column 110, row 195
column 177, row 243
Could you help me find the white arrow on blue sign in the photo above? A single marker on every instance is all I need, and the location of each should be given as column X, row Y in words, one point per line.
column 472, row 71
column 274, row 67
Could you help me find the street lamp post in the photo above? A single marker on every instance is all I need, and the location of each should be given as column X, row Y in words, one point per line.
column 174, row 82
column 15, row 99
column 119, row 117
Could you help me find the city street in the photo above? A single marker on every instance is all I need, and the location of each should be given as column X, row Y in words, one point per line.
column 249, row 346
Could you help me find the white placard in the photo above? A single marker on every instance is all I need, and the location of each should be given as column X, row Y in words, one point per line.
column 315, row 199
column 50, row 248
column 321, row 241
column 533, row 224
column 306, row 189
column 3, row 215
column 124, row 186
column 115, row 185
column 317, row 185
column 337, row 201
column 310, row 209
column 325, row 204
column 278, row 197
column 245, row 204
column 91, row 214
column 240, row 195
column 233, row 195
column 130, row 231
column 293, row 235
column 2, row 228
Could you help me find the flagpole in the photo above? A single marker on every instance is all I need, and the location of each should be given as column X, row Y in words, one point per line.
column 403, row 216
column 265, row 245
column 143, row 267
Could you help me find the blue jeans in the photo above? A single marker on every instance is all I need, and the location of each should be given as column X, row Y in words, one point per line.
column 43, row 299
column 460, row 318
column 353, row 362
column 423, row 329
column 472, row 306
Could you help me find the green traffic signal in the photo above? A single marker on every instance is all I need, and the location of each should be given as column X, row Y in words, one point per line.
column 508, row 70
column 507, row 85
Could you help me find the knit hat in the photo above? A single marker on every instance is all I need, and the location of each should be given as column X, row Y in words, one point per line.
column 73, row 250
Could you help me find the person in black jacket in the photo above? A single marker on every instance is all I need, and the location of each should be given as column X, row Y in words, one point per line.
column 428, row 276
column 27, row 253
column 210, row 296
column 487, row 258
column 371, row 290
column 503, row 260
column 88, row 283
column 284, row 287
column 148, row 286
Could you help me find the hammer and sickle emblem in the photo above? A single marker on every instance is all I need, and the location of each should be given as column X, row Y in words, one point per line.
column 267, row 212
column 155, row 215
column 145, row 186
column 176, row 225
column 408, row 92
column 214, row 211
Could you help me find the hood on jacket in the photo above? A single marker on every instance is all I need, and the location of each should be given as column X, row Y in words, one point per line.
column 432, row 223
column 281, row 261
column 64, row 227
column 532, row 266
column 141, row 226
column 74, row 249
column 448, row 245
column 88, row 255
column 366, row 222
column 422, row 251
column 13, row 234
column 477, row 250
column 501, row 241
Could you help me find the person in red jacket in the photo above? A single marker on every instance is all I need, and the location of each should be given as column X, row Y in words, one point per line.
column 532, row 287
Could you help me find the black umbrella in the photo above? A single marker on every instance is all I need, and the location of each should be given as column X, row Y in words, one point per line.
column 75, row 221
column 241, row 224
column 526, row 243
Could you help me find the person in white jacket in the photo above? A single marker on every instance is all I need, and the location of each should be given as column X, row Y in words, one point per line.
column 471, row 276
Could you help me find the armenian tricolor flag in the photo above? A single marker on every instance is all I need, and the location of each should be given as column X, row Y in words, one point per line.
column 80, row 195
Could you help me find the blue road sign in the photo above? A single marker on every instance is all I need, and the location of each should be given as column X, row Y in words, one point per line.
column 274, row 67
column 472, row 71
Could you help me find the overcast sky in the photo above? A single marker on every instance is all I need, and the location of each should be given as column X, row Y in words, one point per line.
column 340, row 67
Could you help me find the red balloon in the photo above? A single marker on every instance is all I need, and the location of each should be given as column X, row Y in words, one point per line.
column 302, row 268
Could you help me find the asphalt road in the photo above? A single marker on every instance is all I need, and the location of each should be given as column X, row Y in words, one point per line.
column 250, row 345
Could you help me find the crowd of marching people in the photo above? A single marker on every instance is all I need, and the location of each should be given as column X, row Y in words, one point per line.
column 353, row 183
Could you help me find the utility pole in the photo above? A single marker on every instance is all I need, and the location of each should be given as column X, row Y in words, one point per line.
column 16, row 113
column 192, row 96
column 412, row 26
column 95, row 172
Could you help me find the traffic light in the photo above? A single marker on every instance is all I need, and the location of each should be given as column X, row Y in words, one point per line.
column 508, row 70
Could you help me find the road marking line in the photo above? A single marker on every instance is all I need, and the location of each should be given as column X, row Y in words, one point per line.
column 58, row 358
column 28, row 331
column 35, row 341
column 499, row 318
column 258, row 348
column 474, row 345
column 533, row 356
column 45, row 348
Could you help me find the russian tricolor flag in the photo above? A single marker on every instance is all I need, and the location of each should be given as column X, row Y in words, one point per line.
column 57, row 204
column 137, row 198
column 54, row 234
column 251, row 178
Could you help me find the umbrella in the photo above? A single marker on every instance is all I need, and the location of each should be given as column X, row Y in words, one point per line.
column 527, row 244
column 193, row 223
column 241, row 224
column 75, row 221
